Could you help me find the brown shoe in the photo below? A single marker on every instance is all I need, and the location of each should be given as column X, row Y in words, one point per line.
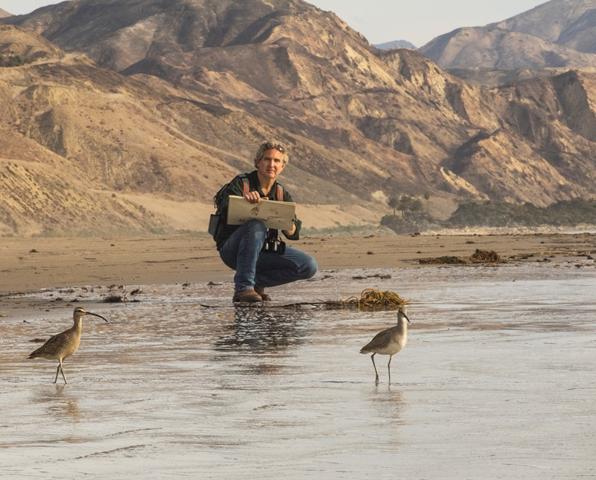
column 261, row 292
column 247, row 296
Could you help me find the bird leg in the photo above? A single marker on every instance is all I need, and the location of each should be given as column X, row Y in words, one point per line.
column 62, row 372
column 389, row 367
column 57, row 370
column 372, row 357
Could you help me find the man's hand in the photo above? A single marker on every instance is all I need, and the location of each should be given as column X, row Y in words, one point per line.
column 291, row 231
column 252, row 197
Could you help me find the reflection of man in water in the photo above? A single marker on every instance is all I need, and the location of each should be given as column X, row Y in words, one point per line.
column 256, row 253
column 259, row 331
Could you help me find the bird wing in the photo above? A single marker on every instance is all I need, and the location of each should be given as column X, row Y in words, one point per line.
column 51, row 346
column 381, row 339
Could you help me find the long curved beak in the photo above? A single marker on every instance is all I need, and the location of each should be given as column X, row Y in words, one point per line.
column 96, row 315
column 407, row 318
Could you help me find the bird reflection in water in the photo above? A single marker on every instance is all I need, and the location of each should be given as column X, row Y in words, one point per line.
column 389, row 402
column 60, row 404
column 264, row 330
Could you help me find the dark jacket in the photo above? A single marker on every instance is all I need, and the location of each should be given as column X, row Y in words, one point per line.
column 236, row 187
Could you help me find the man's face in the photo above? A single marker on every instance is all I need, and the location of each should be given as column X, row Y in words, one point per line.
column 271, row 164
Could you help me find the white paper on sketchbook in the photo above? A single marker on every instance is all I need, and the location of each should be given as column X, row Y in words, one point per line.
column 275, row 214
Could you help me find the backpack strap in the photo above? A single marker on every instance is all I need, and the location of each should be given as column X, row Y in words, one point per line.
column 217, row 198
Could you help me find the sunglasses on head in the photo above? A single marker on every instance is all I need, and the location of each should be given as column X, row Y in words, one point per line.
column 275, row 146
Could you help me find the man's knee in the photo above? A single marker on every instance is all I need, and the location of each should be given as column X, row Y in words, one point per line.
column 309, row 268
column 256, row 226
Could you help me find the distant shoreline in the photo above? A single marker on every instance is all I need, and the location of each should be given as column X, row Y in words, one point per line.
column 32, row 264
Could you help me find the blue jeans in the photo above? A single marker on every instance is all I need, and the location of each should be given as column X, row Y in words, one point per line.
column 242, row 252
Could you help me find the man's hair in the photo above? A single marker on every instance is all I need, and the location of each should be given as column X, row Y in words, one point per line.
column 271, row 145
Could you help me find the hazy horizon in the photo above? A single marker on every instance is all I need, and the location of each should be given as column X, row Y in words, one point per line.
column 385, row 20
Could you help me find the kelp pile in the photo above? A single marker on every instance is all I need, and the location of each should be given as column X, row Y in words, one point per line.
column 485, row 256
column 372, row 299
column 479, row 256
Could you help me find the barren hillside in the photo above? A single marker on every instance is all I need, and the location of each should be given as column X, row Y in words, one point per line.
column 569, row 23
column 555, row 34
column 177, row 94
column 500, row 49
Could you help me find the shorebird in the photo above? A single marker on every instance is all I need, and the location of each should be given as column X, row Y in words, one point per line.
column 66, row 343
column 389, row 341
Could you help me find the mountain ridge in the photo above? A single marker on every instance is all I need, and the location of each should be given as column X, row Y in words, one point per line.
column 173, row 104
column 572, row 16
column 558, row 33
column 395, row 44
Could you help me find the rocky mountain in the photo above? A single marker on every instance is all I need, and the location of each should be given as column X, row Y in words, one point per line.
column 152, row 105
column 495, row 48
column 494, row 78
column 74, row 138
column 569, row 23
column 395, row 44
column 4, row 13
column 559, row 33
column 27, row 46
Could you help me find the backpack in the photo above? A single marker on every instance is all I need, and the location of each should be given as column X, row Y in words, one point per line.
column 216, row 220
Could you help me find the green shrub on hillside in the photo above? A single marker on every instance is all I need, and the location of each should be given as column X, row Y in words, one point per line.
column 412, row 215
column 11, row 60
column 502, row 214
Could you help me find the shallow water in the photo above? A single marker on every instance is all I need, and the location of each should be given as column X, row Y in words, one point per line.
column 495, row 382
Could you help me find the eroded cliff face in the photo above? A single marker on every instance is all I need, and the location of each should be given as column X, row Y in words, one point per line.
column 556, row 117
column 170, row 99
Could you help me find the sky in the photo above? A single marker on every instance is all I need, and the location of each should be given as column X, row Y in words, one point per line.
column 417, row 21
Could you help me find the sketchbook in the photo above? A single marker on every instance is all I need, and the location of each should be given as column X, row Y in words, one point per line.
column 275, row 214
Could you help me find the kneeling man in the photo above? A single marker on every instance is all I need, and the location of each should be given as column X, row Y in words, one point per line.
column 257, row 253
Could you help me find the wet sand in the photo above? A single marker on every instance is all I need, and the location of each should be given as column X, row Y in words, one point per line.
column 495, row 382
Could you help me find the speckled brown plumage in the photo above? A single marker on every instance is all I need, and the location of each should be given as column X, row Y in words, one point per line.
column 63, row 345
